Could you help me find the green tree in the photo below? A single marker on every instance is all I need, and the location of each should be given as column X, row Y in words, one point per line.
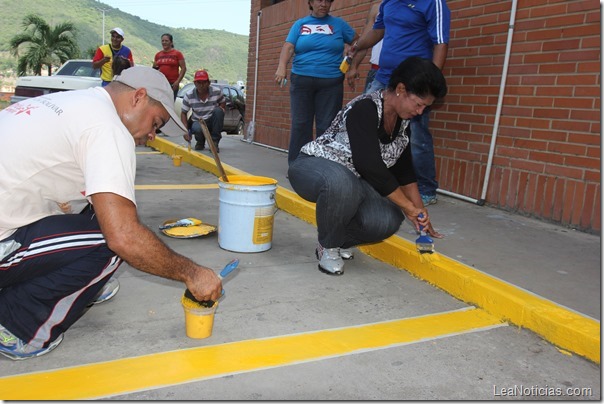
column 43, row 45
column 89, row 53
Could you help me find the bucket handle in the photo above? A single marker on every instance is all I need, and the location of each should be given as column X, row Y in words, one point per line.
column 275, row 207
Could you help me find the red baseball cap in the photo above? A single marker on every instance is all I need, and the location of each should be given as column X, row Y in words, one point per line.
column 201, row 75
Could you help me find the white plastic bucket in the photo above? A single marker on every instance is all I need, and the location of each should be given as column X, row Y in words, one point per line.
column 246, row 213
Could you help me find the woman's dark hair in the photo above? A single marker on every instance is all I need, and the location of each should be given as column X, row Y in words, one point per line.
column 420, row 77
column 309, row 6
column 170, row 38
column 119, row 63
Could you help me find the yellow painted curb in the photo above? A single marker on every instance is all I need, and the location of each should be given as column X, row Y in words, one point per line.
column 128, row 375
column 560, row 326
column 290, row 202
column 194, row 158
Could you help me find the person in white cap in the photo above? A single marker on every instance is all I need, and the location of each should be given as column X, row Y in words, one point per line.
column 105, row 55
column 69, row 214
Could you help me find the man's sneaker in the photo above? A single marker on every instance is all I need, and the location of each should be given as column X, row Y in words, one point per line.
column 13, row 348
column 346, row 253
column 429, row 199
column 109, row 290
column 330, row 261
column 199, row 146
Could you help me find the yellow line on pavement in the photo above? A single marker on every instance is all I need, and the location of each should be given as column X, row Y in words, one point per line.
column 559, row 325
column 159, row 370
column 565, row 328
column 174, row 186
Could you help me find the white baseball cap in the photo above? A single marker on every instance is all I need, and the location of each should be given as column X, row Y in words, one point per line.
column 118, row 31
column 159, row 89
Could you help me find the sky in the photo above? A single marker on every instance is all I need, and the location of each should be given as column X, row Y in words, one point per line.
column 229, row 15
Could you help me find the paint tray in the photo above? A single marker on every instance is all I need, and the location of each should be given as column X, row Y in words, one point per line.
column 200, row 230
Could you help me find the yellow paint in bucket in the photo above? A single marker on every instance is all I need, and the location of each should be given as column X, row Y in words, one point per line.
column 199, row 320
column 177, row 160
column 246, row 213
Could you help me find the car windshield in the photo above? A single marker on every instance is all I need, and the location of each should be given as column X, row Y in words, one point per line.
column 186, row 88
column 80, row 68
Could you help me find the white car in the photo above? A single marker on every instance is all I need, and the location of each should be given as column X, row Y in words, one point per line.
column 75, row 74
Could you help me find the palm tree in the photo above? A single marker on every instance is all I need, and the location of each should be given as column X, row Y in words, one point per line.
column 44, row 45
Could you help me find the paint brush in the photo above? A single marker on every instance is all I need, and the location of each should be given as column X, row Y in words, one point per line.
column 424, row 243
column 230, row 267
column 190, row 221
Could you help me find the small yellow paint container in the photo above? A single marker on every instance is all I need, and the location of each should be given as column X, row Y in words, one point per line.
column 199, row 320
column 177, row 160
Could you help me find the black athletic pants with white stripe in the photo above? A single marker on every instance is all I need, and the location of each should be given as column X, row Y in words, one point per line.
column 62, row 264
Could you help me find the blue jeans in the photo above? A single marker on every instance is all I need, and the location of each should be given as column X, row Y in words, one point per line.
column 369, row 80
column 349, row 211
column 375, row 85
column 214, row 123
column 422, row 149
column 312, row 100
column 422, row 152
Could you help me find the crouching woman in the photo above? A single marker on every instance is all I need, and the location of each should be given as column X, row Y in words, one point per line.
column 359, row 172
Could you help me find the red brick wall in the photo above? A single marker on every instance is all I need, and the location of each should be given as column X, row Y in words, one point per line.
column 546, row 162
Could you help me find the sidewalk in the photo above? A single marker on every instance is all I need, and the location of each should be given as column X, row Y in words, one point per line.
column 521, row 269
column 557, row 263
column 285, row 331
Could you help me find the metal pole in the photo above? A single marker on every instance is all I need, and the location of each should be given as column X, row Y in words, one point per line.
column 504, row 75
column 102, row 10
column 252, row 126
column 482, row 200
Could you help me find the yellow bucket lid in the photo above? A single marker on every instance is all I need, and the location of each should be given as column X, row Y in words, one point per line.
column 252, row 180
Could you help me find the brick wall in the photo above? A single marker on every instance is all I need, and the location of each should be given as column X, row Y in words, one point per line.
column 546, row 160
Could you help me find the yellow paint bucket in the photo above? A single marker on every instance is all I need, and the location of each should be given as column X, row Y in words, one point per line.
column 176, row 160
column 199, row 320
column 246, row 213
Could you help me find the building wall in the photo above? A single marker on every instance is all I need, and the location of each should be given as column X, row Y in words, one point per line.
column 546, row 161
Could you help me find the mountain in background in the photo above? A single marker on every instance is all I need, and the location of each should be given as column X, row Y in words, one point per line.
column 222, row 53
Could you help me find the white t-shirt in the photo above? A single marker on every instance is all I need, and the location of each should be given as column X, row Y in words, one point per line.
column 56, row 151
column 375, row 53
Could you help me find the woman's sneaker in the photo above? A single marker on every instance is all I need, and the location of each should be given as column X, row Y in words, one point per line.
column 346, row 253
column 15, row 349
column 330, row 261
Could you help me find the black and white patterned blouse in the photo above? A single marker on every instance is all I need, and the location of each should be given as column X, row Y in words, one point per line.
column 334, row 144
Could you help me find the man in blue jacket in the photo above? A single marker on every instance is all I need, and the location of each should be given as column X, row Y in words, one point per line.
column 409, row 28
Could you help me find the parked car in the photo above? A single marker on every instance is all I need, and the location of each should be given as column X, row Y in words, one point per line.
column 75, row 74
column 234, row 116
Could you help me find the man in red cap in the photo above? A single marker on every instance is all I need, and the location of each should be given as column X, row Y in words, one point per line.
column 207, row 103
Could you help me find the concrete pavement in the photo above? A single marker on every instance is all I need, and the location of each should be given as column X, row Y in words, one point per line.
column 285, row 331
